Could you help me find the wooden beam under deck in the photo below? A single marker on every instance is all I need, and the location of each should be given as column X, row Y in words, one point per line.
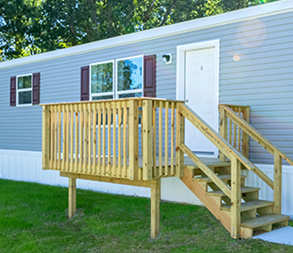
column 141, row 183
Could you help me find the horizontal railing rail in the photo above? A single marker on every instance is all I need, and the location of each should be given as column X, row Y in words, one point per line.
column 126, row 138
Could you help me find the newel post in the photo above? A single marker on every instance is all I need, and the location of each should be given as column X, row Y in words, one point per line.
column 235, row 197
column 133, row 139
column 223, row 130
column 277, row 183
column 45, row 136
column 147, row 146
column 180, row 135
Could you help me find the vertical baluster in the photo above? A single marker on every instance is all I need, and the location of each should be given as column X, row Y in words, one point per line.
column 71, row 136
column 160, row 138
column 76, row 137
column 114, row 140
column 119, row 138
column 166, row 172
column 223, row 129
column 85, row 138
column 124, row 139
column 55, row 136
column 239, row 136
column 59, row 136
column 67, row 139
column 154, row 138
column 99, row 139
column 235, row 138
column 52, row 113
column 104, row 138
column 94, row 168
column 64, row 138
column 89, row 139
column 80, row 137
column 172, row 137
column 109, row 139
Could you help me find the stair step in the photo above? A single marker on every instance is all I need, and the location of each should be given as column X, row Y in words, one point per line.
column 243, row 190
column 222, row 177
column 210, row 162
column 264, row 220
column 246, row 206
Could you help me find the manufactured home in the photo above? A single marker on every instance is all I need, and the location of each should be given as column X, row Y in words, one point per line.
column 200, row 98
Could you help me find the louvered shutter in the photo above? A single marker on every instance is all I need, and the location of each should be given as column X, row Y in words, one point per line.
column 85, row 83
column 36, row 88
column 149, row 76
column 13, row 91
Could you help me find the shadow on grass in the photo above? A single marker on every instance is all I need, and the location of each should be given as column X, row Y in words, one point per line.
column 33, row 219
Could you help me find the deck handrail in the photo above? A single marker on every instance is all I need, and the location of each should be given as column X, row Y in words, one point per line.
column 256, row 135
column 221, row 143
column 234, row 156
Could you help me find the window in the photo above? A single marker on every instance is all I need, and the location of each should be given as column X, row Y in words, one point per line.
column 24, row 90
column 102, row 80
column 129, row 79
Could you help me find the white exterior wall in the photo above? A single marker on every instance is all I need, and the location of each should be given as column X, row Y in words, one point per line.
column 27, row 166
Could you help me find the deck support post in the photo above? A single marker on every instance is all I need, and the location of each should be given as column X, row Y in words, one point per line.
column 180, row 136
column 71, row 197
column 235, row 197
column 155, row 206
column 223, row 130
column 277, row 183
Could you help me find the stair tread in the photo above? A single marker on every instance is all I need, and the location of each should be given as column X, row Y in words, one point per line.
column 264, row 220
column 246, row 206
column 210, row 162
column 243, row 190
column 222, row 177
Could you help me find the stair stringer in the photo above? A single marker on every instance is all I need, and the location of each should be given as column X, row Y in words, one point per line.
column 209, row 201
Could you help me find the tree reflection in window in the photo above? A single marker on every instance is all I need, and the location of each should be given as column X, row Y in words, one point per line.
column 129, row 74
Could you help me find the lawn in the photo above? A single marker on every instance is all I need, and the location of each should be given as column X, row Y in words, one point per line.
column 33, row 219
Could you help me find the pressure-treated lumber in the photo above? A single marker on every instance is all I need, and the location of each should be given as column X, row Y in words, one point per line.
column 155, row 207
column 220, row 143
column 277, row 183
column 251, row 205
column 71, row 197
column 264, row 220
column 235, row 197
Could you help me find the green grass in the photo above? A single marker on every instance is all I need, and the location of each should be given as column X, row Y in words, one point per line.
column 33, row 219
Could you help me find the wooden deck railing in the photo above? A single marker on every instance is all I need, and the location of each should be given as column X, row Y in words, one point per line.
column 127, row 138
column 236, row 158
column 231, row 132
column 242, row 124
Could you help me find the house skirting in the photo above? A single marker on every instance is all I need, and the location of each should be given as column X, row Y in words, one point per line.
column 27, row 166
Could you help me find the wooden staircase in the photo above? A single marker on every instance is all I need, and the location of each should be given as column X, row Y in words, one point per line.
column 256, row 215
column 220, row 183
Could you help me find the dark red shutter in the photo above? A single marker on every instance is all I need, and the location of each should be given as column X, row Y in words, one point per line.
column 36, row 88
column 149, row 76
column 85, row 83
column 13, row 91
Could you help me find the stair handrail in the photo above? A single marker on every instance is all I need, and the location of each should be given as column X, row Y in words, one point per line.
column 256, row 135
column 225, row 147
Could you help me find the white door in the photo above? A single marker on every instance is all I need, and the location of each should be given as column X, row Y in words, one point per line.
column 201, row 93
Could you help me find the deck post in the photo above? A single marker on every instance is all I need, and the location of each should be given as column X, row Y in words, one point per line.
column 223, row 130
column 147, row 147
column 277, row 183
column 180, row 135
column 235, row 197
column 46, row 117
column 71, row 197
column 133, row 140
column 155, row 206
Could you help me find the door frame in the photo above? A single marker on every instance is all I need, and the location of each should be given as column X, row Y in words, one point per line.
column 180, row 71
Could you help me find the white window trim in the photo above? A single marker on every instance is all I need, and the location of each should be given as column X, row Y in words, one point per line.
column 22, row 90
column 100, row 94
column 117, row 93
